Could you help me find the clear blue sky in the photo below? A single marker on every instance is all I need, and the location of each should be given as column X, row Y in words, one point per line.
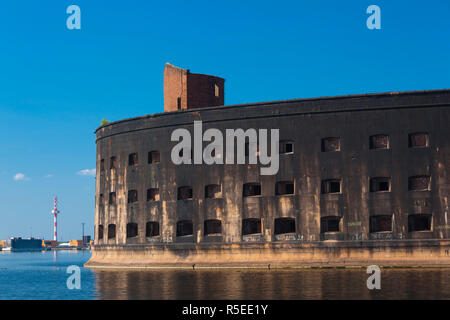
column 57, row 84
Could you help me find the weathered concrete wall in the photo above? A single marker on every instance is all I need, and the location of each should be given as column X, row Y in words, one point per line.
column 304, row 122
column 278, row 255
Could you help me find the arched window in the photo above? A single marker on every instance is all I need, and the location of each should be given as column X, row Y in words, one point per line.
column 379, row 141
column 331, row 144
column 213, row 226
column 153, row 194
column 251, row 226
column 185, row 193
column 132, row 196
column 151, row 229
column 111, row 231
column 419, row 183
column 132, row 230
column 251, row 189
column 213, row 191
column 419, row 222
column 330, row 224
column 100, row 232
column 133, row 159
column 184, row 228
column 153, row 157
column 284, row 187
column 284, row 225
column 381, row 223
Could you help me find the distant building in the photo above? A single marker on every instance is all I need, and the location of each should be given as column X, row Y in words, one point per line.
column 49, row 243
column 86, row 240
column 76, row 243
column 19, row 244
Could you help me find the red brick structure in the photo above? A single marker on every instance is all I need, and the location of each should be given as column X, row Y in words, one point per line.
column 184, row 90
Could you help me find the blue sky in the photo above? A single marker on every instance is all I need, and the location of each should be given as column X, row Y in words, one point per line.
column 57, row 84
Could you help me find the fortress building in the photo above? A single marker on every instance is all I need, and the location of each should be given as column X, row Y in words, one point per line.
column 363, row 179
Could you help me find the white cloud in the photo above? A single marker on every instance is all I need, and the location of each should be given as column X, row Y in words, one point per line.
column 86, row 172
column 47, row 176
column 20, row 177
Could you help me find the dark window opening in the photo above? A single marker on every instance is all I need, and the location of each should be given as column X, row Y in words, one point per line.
column 212, row 227
column 101, row 200
column 111, row 231
column 379, row 141
column 380, row 184
column 418, row 140
column 113, row 163
column 382, row 223
column 329, row 224
column 184, row 228
column 184, row 193
column 284, row 187
column 419, row 222
column 153, row 194
column 153, row 157
column 100, row 232
column 286, row 147
column 112, row 198
column 419, row 183
column 213, row 191
column 331, row 144
column 252, row 189
column 331, row 186
column 102, row 165
column 284, row 225
column 179, row 103
column 151, row 229
column 251, row 226
column 132, row 196
column 132, row 230
column 133, row 159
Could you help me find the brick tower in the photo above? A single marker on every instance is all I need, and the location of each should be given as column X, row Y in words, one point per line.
column 184, row 90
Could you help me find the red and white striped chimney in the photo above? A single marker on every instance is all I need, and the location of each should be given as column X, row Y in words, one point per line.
column 55, row 215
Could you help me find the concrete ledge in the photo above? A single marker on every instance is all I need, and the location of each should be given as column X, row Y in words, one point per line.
column 390, row 253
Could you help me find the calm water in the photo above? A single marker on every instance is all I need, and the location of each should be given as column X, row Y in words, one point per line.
column 43, row 276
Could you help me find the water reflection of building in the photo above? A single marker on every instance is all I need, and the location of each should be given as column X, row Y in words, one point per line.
column 271, row 284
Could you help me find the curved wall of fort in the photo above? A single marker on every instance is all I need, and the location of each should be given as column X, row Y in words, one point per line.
column 362, row 179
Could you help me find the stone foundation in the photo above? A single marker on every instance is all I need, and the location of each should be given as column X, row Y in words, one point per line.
column 401, row 253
